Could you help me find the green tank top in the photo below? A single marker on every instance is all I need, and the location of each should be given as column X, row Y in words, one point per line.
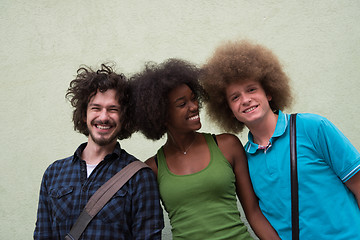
column 202, row 205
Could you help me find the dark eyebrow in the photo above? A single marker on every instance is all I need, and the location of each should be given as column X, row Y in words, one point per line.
column 94, row 104
column 233, row 93
column 114, row 106
column 99, row 105
column 180, row 99
column 252, row 85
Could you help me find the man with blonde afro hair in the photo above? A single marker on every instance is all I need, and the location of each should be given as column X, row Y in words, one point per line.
column 247, row 87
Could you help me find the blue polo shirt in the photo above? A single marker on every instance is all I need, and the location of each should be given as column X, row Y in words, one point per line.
column 326, row 159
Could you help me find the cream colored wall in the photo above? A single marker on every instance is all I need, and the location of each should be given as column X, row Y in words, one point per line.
column 43, row 42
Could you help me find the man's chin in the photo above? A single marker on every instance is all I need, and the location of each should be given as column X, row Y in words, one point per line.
column 101, row 141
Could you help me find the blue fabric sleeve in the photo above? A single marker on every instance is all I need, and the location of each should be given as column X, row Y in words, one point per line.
column 336, row 149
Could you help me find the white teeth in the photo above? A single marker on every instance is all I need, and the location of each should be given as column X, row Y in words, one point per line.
column 102, row 127
column 194, row 117
column 249, row 110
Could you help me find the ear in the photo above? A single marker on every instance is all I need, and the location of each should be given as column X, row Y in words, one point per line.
column 269, row 98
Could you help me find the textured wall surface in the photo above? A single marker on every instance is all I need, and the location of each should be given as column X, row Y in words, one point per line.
column 43, row 42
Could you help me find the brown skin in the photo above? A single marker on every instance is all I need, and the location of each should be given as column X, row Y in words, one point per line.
column 234, row 152
column 198, row 157
column 354, row 185
column 182, row 134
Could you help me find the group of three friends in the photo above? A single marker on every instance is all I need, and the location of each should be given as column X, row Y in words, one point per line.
column 199, row 176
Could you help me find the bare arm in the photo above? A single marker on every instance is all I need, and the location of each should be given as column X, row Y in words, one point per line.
column 233, row 150
column 354, row 185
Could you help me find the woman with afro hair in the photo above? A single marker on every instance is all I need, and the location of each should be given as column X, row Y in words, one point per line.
column 199, row 174
column 247, row 87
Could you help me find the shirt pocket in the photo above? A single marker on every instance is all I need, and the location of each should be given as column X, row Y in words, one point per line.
column 114, row 210
column 61, row 201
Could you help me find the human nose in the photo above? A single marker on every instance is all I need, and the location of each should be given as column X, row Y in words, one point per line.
column 194, row 105
column 104, row 115
column 245, row 99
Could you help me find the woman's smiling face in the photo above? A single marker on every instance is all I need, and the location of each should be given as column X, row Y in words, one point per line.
column 183, row 110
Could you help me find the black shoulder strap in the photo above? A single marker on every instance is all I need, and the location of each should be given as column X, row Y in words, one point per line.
column 214, row 137
column 156, row 161
column 294, row 179
column 102, row 196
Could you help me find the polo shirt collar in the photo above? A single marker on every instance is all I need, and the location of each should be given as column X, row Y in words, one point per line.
column 280, row 128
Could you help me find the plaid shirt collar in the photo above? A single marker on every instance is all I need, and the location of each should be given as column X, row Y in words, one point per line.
column 115, row 154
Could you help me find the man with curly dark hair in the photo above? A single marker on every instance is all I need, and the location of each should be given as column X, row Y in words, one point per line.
column 199, row 174
column 101, row 112
column 247, row 87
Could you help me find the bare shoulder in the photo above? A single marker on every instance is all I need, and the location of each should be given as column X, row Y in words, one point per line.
column 229, row 140
column 231, row 147
column 152, row 164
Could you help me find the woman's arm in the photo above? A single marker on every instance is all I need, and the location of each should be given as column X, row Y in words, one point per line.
column 354, row 185
column 233, row 150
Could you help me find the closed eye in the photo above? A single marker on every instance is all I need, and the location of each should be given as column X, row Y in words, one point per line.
column 234, row 97
column 182, row 104
column 113, row 109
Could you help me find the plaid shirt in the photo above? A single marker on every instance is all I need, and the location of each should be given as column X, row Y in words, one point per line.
column 134, row 212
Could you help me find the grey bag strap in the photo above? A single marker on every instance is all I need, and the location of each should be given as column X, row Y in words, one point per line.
column 294, row 179
column 101, row 197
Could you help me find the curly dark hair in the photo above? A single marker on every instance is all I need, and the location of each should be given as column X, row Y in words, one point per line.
column 239, row 61
column 150, row 93
column 85, row 86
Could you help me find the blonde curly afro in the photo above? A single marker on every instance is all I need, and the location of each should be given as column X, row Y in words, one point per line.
column 239, row 61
